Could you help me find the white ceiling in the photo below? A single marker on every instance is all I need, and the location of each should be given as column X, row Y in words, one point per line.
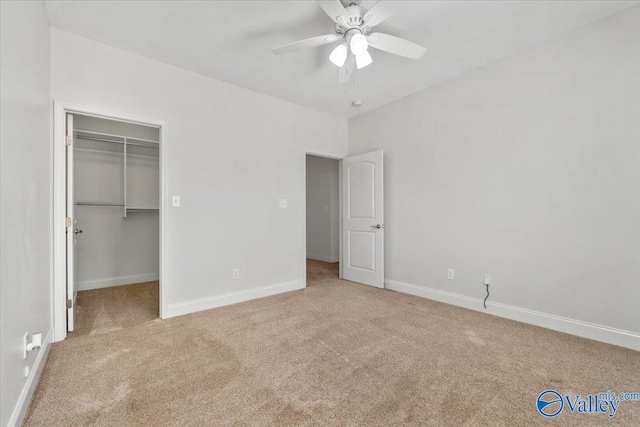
column 232, row 41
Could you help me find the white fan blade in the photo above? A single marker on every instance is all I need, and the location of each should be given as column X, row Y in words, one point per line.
column 345, row 73
column 335, row 10
column 378, row 13
column 303, row 44
column 396, row 45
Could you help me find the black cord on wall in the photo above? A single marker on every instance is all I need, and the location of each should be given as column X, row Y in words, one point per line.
column 485, row 298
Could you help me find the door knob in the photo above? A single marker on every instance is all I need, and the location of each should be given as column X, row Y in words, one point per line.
column 378, row 226
column 77, row 231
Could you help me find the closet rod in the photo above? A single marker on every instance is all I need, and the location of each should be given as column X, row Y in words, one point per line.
column 118, row 142
column 98, row 204
column 90, row 138
column 142, row 211
column 142, row 145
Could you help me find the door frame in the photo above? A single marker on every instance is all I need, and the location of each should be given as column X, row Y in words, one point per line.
column 58, row 254
column 326, row 155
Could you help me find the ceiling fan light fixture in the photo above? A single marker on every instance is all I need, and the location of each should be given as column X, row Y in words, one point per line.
column 363, row 60
column 339, row 55
column 352, row 30
column 358, row 44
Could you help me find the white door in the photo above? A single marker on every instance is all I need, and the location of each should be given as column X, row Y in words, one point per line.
column 72, row 289
column 363, row 219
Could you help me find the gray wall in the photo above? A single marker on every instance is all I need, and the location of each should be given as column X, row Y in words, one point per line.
column 527, row 170
column 322, row 209
column 25, row 185
column 231, row 154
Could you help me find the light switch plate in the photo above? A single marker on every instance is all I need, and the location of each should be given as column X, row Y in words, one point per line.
column 175, row 201
column 283, row 203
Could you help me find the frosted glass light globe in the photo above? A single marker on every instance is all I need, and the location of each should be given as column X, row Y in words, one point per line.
column 358, row 44
column 339, row 55
column 363, row 60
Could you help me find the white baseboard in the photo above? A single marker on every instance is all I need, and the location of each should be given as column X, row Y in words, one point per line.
column 117, row 281
column 592, row 331
column 186, row 307
column 324, row 258
column 20, row 410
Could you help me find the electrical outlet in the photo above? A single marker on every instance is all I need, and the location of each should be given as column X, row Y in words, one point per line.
column 486, row 280
column 451, row 273
column 284, row 204
column 236, row 273
column 26, row 371
column 175, row 201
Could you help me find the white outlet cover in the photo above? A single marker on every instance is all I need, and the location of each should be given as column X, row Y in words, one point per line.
column 235, row 274
column 175, row 201
column 25, row 342
column 486, row 280
column 451, row 273
column 283, row 203
column 26, row 371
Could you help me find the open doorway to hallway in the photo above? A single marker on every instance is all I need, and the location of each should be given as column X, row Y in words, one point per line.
column 322, row 217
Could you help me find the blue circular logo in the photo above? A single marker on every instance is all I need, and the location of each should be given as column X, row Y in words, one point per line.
column 550, row 403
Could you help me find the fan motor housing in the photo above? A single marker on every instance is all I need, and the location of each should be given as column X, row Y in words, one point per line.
column 354, row 21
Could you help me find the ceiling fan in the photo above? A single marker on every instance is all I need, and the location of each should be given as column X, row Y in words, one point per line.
column 353, row 28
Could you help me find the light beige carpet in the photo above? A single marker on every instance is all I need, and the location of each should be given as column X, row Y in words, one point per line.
column 336, row 353
column 108, row 309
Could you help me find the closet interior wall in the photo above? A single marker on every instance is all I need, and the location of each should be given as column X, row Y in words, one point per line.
column 119, row 243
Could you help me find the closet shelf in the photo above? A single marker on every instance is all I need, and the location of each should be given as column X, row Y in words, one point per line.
column 125, row 142
column 116, row 139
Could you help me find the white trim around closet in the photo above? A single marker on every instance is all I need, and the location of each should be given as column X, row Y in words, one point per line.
column 58, row 261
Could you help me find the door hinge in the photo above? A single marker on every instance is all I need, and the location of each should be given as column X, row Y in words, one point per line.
column 69, row 304
column 68, row 221
column 68, row 140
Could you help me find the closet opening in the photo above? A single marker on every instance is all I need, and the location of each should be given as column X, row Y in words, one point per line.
column 113, row 245
column 322, row 181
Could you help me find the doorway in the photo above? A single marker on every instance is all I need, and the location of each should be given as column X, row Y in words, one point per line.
column 322, row 218
column 116, row 230
column 107, row 261
column 359, row 217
